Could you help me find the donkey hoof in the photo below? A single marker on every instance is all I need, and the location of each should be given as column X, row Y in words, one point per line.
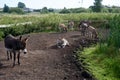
column 8, row 59
column 18, row 63
column 13, row 65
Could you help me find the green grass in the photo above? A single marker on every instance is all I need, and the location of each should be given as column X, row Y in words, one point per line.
column 14, row 18
column 45, row 22
column 103, row 61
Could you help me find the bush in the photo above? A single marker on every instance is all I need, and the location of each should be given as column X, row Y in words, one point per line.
column 64, row 11
column 16, row 10
column 1, row 35
column 45, row 24
column 114, row 38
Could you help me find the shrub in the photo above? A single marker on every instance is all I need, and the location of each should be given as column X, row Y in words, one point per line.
column 114, row 38
column 16, row 10
column 1, row 35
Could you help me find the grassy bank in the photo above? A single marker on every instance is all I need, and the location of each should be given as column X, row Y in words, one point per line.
column 103, row 60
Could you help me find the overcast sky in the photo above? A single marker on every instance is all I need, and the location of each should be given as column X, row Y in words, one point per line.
column 38, row 4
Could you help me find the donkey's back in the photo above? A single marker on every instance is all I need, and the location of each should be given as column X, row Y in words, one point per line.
column 10, row 42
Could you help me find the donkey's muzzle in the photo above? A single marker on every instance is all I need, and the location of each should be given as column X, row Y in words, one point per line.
column 25, row 51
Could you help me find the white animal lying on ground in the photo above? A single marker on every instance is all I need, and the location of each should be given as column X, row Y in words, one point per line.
column 61, row 43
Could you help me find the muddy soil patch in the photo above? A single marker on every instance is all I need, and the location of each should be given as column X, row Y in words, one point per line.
column 44, row 60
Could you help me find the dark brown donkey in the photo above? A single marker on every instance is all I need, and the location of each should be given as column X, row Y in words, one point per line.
column 14, row 45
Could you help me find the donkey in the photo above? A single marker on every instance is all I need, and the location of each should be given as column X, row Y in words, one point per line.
column 83, row 27
column 14, row 45
column 70, row 25
column 92, row 32
column 88, row 30
column 63, row 28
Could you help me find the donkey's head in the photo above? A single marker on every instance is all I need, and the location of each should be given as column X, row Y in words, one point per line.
column 22, row 43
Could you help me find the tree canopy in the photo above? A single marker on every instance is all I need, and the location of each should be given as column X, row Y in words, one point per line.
column 97, row 6
column 44, row 10
column 21, row 5
column 6, row 8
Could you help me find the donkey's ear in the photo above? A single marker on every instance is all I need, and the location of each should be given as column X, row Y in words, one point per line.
column 27, row 38
column 20, row 37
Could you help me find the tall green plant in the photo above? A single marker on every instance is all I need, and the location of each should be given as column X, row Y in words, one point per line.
column 1, row 35
column 114, row 38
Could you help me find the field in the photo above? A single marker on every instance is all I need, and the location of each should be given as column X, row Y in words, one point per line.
column 53, row 17
column 45, row 61
column 48, row 22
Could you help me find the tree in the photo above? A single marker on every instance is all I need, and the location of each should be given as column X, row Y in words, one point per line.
column 105, row 10
column 97, row 6
column 65, row 11
column 44, row 10
column 21, row 5
column 6, row 8
column 51, row 10
column 78, row 10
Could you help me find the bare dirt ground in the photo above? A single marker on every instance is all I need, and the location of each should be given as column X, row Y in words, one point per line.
column 44, row 61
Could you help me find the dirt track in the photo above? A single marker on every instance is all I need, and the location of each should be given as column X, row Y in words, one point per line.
column 44, row 61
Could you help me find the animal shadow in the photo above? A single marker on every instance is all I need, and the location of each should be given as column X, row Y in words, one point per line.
column 2, row 74
column 2, row 66
column 53, row 47
column 75, row 36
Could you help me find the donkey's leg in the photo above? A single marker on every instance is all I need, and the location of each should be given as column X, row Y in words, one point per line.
column 10, row 55
column 14, row 53
column 7, row 55
column 18, row 56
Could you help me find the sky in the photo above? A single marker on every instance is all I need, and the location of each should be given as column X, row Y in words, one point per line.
column 56, row 4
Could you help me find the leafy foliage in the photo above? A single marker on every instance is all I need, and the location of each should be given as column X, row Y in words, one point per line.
column 1, row 35
column 114, row 38
column 44, row 10
column 16, row 10
column 65, row 11
column 21, row 5
column 97, row 6
column 6, row 9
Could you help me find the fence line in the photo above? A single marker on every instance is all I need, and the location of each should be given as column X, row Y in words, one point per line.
column 9, row 25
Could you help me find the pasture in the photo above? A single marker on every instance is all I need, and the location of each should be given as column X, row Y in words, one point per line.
column 48, row 22
column 44, row 60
